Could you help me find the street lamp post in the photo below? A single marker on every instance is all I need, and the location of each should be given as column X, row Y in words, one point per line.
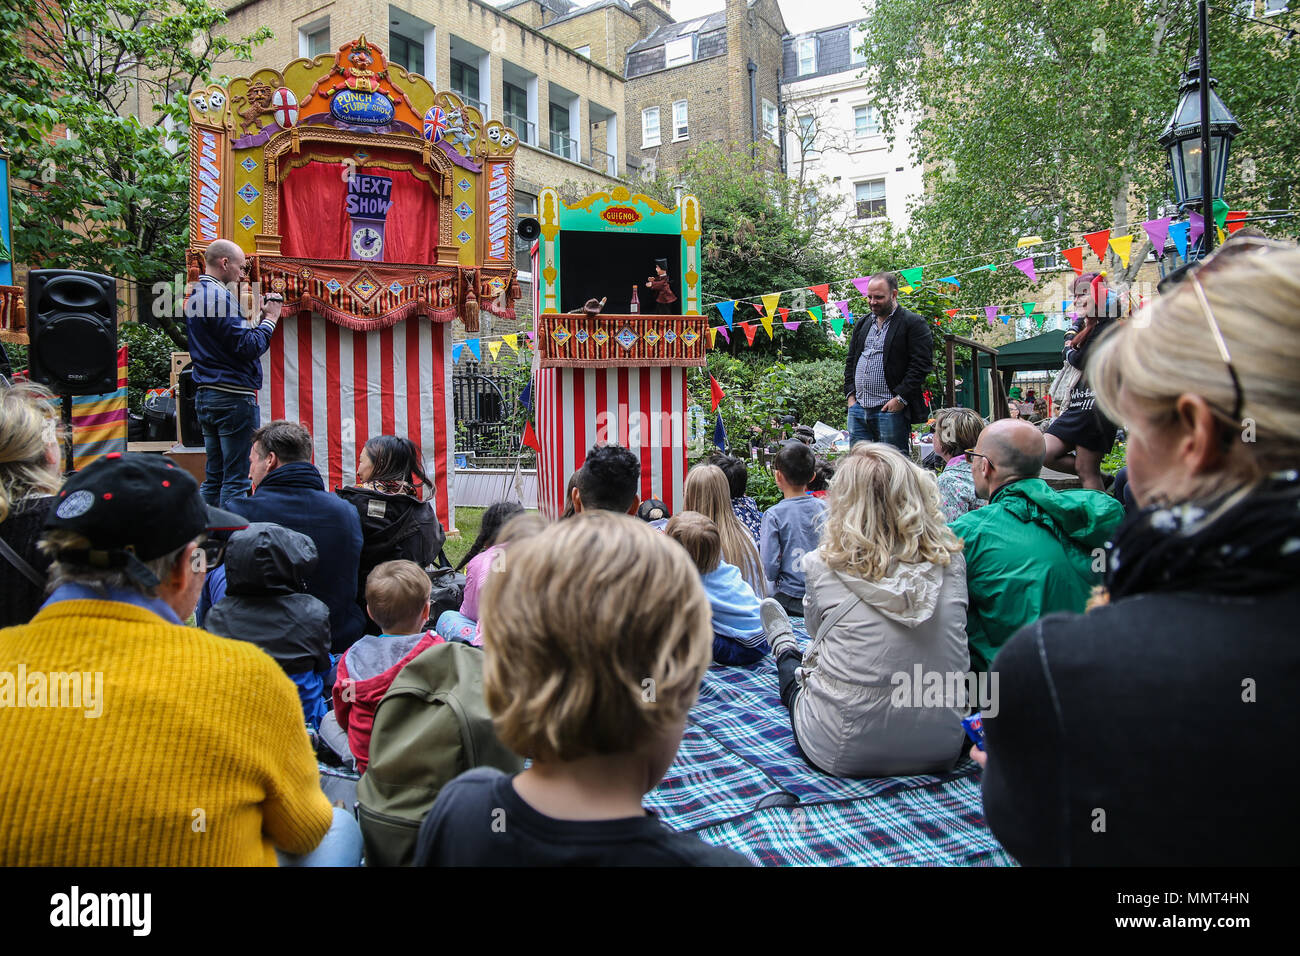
column 1198, row 137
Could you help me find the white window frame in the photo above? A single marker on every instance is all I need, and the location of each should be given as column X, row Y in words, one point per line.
column 681, row 127
column 884, row 197
column 807, row 135
column 673, row 50
column 868, row 132
column 646, row 139
column 1272, row 13
column 806, row 48
column 772, row 127
column 857, row 37
column 309, row 30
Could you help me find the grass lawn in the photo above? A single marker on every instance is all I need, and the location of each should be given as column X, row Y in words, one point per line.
column 467, row 523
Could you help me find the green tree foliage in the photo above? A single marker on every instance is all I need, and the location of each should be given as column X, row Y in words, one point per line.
column 92, row 107
column 148, row 360
column 1041, row 117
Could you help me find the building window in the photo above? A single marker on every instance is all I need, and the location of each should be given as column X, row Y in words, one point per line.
column 464, row 83
column 406, row 53
column 314, row 38
column 866, row 121
column 770, row 129
column 514, row 99
column 807, row 49
column 1274, row 6
column 561, row 144
column 679, row 51
column 650, row 127
column 808, row 135
column 870, row 198
column 857, row 44
column 680, row 131
column 584, row 51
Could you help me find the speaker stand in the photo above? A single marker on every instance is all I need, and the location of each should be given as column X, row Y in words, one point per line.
column 68, row 436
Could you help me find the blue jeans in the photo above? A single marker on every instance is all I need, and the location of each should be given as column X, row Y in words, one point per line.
column 341, row 846
column 228, row 422
column 872, row 424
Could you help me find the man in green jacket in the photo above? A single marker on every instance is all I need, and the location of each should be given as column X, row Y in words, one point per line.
column 1030, row 551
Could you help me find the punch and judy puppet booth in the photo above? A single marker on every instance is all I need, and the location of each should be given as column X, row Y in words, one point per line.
column 618, row 376
column 381, row 210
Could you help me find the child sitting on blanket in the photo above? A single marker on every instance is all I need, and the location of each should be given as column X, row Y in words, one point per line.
column 594, row 688
column 462, row 625
column 791, row 527
column 737, row 627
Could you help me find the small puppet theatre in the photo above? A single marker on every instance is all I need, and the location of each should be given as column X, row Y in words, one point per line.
column 615, row 375
column 381, row 210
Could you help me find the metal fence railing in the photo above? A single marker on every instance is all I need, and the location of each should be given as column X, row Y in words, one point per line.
column 485, row 408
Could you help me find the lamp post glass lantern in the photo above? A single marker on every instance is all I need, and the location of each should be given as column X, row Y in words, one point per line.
column 1182, row 138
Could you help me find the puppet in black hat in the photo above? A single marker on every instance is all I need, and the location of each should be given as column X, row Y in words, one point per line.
column 665, row 302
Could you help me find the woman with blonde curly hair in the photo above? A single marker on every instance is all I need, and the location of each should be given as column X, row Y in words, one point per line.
column 885, row 604
column 29, row 477
column 1174, row 706
column 709, row 493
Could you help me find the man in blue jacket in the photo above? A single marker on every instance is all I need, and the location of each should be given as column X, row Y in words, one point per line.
column 288, row 490
column 225, row 350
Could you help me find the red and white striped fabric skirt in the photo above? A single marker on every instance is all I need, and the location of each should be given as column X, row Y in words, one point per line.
column 643, row 409
column 347, row 387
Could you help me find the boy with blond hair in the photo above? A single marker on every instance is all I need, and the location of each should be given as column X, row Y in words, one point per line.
column 397, row 599
column 738, row 636
column 594, row 688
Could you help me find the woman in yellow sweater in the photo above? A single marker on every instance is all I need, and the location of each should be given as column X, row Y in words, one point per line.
column 133, row 740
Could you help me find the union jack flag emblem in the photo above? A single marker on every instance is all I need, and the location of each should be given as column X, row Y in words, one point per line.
column 435, row 122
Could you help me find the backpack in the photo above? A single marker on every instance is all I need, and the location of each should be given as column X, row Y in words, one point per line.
column 431, row 726
column 447, row 592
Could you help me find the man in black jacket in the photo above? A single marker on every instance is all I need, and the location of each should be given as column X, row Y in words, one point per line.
column 891, row 352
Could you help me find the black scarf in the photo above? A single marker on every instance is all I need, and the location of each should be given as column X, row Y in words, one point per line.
column 1252, row 548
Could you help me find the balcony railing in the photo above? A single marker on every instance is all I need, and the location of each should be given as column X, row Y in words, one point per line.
column 565, row 146
column 526, row 131
column 604, row 162
column 472, row 101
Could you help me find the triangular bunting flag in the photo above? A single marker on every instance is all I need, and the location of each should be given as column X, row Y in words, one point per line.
column 715, row 390
column 530, row 438
column 816, row 313
column 861, row 284
column 1074, row 257
column 791, row 326
column 1178, row 233
column 1027, row 267
column 1158, row 232
column 1038, row 319
column 531, row 336
column 727, row 308
column 455, row 352
column 494, row 347
column 1005, row 319
column 837, row 326
column 785, row 315
column 1220, row 212
column 951, row 280
column 512, row 340
column 725, row 333
column 822, row 292
column 1122, row 245
column 1233, row 219
column 1029, row 307
column 720, row 434
column 912, row 276
column 991, row 267
column 1219, row 232
column 1098, row 241
column 749, row 330
column 843, row 306
column 770, row 300
column 757, row 307
column 952, row 313
column 713, row 335
column 526, row 396
column 767, row 325
column 473, row 346
column 989, row 312
column 1197, row 222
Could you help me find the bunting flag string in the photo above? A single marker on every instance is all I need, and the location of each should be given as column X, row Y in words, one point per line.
column 767, row 326
column 769, row 302
column 749, row 329
column 494, row 348
column 1074, row 256
column 727, row 309
column 1098, row 241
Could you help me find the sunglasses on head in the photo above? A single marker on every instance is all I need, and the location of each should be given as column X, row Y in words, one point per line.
column 1226, row 253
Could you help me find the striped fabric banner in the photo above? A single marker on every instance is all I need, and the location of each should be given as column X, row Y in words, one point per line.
column 99, row 421
column 347, row 387
column 643, row 409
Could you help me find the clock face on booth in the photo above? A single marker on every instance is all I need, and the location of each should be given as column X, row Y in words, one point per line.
column 367, row 242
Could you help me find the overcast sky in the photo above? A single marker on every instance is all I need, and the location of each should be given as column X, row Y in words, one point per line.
column 800, row 15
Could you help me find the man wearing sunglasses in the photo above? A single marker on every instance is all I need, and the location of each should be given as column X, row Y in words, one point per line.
column 226, row 352
column 131, row 739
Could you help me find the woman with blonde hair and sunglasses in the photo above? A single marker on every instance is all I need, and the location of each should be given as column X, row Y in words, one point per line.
column 885, row 603
column 709, row 493
column 29, row 477
column 1168, row 715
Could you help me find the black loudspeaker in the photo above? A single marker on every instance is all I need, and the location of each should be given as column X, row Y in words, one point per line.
column 528, row 229
column 190, row 433
column 72, row 321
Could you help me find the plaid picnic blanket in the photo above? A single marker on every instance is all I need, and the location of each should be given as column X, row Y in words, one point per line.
column 739, row 782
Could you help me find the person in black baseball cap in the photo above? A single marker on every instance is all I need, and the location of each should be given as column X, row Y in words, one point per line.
column 135, row 522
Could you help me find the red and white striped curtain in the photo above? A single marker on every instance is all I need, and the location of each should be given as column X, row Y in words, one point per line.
column 347, row 387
